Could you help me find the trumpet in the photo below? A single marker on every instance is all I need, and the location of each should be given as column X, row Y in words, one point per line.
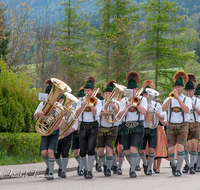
column 172, row 94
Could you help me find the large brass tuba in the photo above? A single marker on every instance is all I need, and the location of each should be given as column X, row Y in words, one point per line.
column 53, row 113
column 116, row 91
column 68, row 114
column 151, row 110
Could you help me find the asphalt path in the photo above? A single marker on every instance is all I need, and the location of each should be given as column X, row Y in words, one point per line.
column 163, row 181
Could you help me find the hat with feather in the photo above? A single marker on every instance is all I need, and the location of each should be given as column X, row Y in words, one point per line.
column 99, row 95
column 197, row 90
column 133, row 79
column 147, row 84
column 180, row 78
column 90, row 83
column 191, row 81
column 110, row 86
column 81, row 92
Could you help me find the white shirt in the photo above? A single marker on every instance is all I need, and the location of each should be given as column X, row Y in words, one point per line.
column 159, row 109
column 133, row 116
column 191, row 116
column 88, row 116
column 104, row 123
column 177, row 117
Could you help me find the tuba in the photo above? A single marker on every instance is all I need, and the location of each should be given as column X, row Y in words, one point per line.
column 116, row 91
column 53, row 113
column 68, row 114
column 151, row 110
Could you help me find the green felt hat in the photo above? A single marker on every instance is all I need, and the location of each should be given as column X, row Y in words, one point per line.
column 109, row 86
column 144, row 90
column 81, row 93
column 180, row 78
column 90, row 83
column 178, row 82
column 133, row 79
column 189, row 86
column 48, row 89
column 191, row 80
column 197, row 91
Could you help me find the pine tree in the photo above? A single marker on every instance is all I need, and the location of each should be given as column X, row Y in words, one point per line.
column 197, row 51
column 162, row 45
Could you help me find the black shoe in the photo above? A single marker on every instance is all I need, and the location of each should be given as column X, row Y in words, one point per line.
column 90, row 176
column 97, row 166
column 186, row 169
column 198, row 169
column 149, row 172
column 99, row 169
column 119, row 171
column 63, row 175
column 177, row 173
column 192, row 171
column 137, row 168
column 80, row 173
column 154, row 170
column 104, row 169
column 59, row 172
column 46, row 173
column 145, row 168
column 107, row 173
column 195, row 166
column 112, row 167
column 157, row 172
column 85, row 174
column 173, row 170
column 50, row 176
column 78, row 170
column 115, row 170
column 132, row 174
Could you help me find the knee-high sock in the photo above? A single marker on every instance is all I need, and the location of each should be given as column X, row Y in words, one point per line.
column 109, row 160
column 85, row 163
column 172, row 159
column 128, row 157
column 58, row 161
column 64, row 164
column 91, row 162
column 96, row 157
column 150, row 160
column 51, row 164
column 103, row 159
column 198, row 160
column 80, row 163
column 46, row 160
column 143, row 157
column 138, row 161
column 121, row 159
column 187, row 158
column 193, row 157
column 114, row 159
column 180, row 158
column 134, row 158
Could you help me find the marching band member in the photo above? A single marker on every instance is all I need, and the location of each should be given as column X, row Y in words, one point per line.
column 193, row 126
column 177, row 107
column 108, row 132
column 150, row 134
column 133, row 126
column 48, row 143
column 88, row 116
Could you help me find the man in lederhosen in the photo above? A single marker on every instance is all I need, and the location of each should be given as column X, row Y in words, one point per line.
column 193, row 126
column 133, row 127
column 150, row 134
column 177, row 107
column 88, row 116
column 108, row 132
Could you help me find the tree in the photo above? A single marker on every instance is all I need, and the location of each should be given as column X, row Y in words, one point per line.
column 74, row 38
column 197, row 51
column 4, row 33
column 162, row 45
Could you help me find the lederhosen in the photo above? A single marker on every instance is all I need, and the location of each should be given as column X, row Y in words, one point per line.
column 87, row 136
column 150, row 135
column 132, row 131
column 193, row 127
column 107, row 135
column 177, row 132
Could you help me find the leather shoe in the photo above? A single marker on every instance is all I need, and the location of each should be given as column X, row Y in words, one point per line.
column 173, row 170
column 107, row 173
column 145, row 168
column 149, row 172
column 115, row 170
column 177, row 173
column 104, row 169
column 137, row 168
column 195, row 166
column 119, row 171
column 85, row 174
column 132, row 174
column 192, row 171
column 80, row 173
column 99, row 169
column 198, row 169
column 186, row 169
column 90, row 176
column 63, row 175
column 59, row 172
column 97, row 166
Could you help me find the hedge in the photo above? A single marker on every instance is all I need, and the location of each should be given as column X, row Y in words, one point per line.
column 20, row 143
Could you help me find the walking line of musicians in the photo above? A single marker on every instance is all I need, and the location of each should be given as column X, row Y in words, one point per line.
column 139, row 125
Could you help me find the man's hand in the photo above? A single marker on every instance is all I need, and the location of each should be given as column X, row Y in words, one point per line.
column 128, row 105
column 40, row 114
column 176, row 94
column 56, row 127
column 106, row 112
column 112, row 104
column 158, row 114
column 66, row 134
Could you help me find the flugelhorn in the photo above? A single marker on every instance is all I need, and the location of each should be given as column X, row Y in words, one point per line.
column 172, row 94
column 52, row 113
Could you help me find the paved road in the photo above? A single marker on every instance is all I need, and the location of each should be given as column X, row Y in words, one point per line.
column 162, row 181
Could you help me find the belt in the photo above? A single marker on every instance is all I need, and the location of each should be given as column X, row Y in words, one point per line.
column 132, row 124
column 132, row 109
column 87, row 109
column 176, row 109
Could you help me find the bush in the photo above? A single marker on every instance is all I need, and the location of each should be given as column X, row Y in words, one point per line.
column 20, row 144
column 17, row 101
